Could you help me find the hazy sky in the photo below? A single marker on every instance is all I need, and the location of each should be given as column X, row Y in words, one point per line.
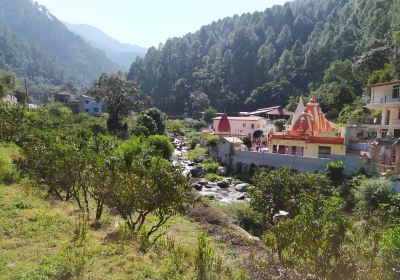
column 149, row 22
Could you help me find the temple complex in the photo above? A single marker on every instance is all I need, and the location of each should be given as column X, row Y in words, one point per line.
column 310, row 135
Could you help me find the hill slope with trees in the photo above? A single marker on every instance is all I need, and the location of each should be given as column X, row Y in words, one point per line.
column 261, row 59
column 35, row 44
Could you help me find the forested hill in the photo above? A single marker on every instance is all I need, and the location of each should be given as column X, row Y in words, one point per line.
column 37, row 45
column 261, row 59
column 120, row 53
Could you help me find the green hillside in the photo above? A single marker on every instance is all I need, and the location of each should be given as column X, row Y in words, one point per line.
column 35, row 44
column 261, row 59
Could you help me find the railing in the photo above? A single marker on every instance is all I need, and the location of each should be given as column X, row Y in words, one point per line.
column 384, row 100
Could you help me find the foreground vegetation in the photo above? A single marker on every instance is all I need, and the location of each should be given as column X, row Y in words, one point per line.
column 85, row 197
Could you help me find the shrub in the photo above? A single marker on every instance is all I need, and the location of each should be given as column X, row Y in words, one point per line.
column 246, row 218
column 198, row 154
column 280, row 125
column 334, row 171
column 209, row 114
column 160, row 145
column 247, row 142
column 213, row 177
column 212, row 140
column 372, row 193
column 8, row 172
column 211, row 166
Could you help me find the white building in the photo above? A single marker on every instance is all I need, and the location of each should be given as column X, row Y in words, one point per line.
column 240, row 126
column 91, row 106
column 386, row 97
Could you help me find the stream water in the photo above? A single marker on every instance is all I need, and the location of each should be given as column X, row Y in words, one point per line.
column 224, row 191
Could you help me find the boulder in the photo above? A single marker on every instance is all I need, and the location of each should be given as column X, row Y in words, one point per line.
column 223, row 184
column 242, row 197
column 197, row 187
column 243, row 187
column 191, row 163
column 197, row 172
column 203, row 183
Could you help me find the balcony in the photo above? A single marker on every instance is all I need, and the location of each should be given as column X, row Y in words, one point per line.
column 384, row 100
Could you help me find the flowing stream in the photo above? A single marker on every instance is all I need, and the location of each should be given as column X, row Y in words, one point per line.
column 224, row 191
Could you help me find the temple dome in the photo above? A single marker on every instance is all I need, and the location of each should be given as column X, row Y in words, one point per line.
column 224, row 125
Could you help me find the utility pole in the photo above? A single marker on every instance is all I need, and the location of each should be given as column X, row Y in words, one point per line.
column 26, row 92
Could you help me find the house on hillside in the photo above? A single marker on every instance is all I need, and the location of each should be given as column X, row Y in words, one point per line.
column 379, row 139
column 91, row 106
column 62, row 97
column 241, row 127
column 84, row 104
column 310, row 135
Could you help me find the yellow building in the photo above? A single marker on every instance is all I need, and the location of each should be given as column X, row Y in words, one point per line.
column 311, row 135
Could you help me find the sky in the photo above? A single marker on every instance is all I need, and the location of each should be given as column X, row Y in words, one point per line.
column 149, row 22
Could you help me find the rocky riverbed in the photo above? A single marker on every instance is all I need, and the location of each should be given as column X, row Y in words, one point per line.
column 227, row 190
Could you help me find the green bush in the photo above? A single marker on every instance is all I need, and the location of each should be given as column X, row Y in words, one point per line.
column 246, row 218
column 8, row 172
column 211, row 166
column 160, row 145
column 213, row 177
column 247, row 142
column 372, row 193
column 212, row 140
column 198, row 154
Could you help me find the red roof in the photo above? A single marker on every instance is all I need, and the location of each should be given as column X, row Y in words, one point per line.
column 224, row 125
column 384, row 84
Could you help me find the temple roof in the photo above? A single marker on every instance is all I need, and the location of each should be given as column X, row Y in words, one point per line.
column 224, row 125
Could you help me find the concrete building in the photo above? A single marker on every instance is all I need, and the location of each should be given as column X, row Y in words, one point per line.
column 311, row 135
column 85, row 104
column 386, row 97
column 90, row 106
column 380, row 140
column 240, row 127
column 62, row 97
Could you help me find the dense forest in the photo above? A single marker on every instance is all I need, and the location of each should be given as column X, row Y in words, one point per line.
column 36, row 45
column 326, row 48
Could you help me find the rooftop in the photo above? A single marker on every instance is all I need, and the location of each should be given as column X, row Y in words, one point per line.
column 384, row 84
column 249, row 118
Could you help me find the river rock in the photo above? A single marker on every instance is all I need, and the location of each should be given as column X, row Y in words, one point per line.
column 202, row 183
column 197, row 172
column 191, row 163
column 242, row 197
column 243, row 187
column 197, row 187
column 223, row 184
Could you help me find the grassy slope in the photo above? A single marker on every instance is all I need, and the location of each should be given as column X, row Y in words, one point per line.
column 37, row 240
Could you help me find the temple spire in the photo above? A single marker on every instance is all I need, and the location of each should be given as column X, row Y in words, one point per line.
column 299, row 110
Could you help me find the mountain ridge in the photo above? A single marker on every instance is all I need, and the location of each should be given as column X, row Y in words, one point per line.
column 40, row 30
column 121, row 53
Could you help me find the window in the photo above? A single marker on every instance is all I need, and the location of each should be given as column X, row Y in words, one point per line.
column 396, row 133
column 294, row 150
column 87, row 110
column 96, row 109
column 252, row 126
column 384, row 133
column 399, row 115
column 324, row 152
column 274, row 149
column 87, row 101
column 396, row 92
column 244, row 125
